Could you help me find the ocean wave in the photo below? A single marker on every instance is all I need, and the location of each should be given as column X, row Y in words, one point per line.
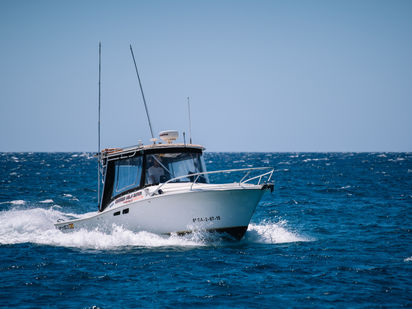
column 408, row 259
column 15, row 202
column 315, row 159
column 397, row 159
column 284, row 162
column 68, row 195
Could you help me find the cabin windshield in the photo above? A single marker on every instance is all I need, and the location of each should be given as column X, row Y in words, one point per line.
column 165, row 166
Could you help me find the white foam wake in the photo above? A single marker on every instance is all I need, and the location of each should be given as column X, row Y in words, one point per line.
column 37, row 226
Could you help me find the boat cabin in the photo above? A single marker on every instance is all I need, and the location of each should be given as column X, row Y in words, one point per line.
column 134, row 168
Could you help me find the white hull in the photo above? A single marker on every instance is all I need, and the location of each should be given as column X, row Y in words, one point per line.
column 179, row 209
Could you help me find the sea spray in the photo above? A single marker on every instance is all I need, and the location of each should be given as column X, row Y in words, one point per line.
column 271, row 233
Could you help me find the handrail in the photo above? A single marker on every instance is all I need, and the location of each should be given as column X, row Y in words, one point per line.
column 242, row 181
column 260, row 177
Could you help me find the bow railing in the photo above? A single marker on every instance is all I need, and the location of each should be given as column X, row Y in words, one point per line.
column 243, row 180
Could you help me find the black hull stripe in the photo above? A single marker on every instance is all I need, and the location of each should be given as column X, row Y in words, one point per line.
column 236, row 232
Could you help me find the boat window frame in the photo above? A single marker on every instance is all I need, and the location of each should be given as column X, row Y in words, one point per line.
column 109, row 183
column 167, row 150
column 138, row 176
column 194, row 157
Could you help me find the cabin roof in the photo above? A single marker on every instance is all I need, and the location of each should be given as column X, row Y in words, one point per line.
column 114, row 152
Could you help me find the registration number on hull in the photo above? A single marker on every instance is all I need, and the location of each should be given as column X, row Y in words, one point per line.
column 206, row 219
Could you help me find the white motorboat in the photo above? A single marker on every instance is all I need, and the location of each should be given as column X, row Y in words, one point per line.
column 165, row 189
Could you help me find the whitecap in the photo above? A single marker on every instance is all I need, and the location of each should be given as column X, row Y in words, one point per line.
column 47, row 201
column 16, row 202
column 68, row 195
column 315, row 159
column 408, row 259
column 86, row 155
column 397, row 159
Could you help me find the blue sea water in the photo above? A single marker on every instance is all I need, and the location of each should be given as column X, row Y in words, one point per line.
column 336, row 232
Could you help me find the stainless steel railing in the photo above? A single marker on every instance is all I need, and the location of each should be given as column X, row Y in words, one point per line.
column 243, row 180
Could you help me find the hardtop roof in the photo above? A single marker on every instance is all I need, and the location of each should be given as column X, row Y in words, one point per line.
column 114, row 152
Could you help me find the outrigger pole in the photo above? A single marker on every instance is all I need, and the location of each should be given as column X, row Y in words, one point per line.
column 190, row 121
column 98, row 131
column 144, row 100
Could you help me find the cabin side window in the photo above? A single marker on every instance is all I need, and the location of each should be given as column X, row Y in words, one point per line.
column 128, row 173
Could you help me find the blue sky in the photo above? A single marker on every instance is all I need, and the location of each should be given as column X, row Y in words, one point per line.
column 261, row 75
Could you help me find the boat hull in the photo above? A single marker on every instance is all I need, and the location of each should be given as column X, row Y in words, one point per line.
column 225, row 211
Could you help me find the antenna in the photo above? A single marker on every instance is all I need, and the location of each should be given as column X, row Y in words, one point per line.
column 98, row 129
column 141, row 89
column 190, row 121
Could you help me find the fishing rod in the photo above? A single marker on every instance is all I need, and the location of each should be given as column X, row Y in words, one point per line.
column 144, row 100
